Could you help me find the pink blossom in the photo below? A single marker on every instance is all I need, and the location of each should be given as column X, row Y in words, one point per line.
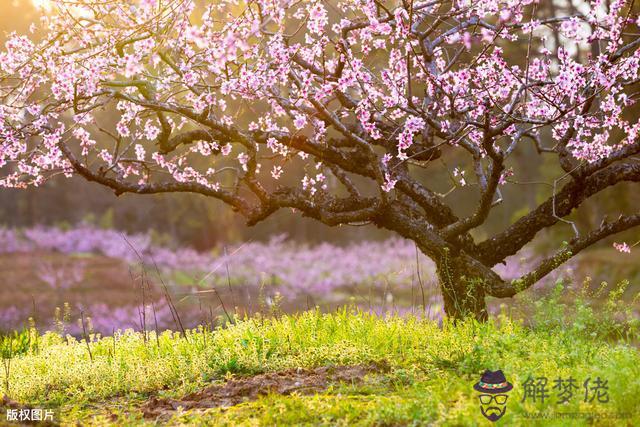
column 289, row 84
column 318, row 18
column 622, row 247
column 276, row 172
column 389, row 183
column 140, row 152
column 300, row 121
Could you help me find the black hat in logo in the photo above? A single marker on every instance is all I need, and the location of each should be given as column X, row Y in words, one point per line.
column 493, row 382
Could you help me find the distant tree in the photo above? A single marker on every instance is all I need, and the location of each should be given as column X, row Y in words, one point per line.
column 359, row 98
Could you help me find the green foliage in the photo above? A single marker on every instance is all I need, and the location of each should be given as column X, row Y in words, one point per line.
column 432, row 367
column 587, row 310
column 17, row 343
column 106, row 221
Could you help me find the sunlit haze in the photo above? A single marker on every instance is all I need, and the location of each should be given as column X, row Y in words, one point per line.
column 45, row 4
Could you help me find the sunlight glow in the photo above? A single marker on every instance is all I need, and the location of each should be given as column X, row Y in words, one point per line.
column 43, row 4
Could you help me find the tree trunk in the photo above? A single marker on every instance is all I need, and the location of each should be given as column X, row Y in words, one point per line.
column 462, row 288
column 464, row 280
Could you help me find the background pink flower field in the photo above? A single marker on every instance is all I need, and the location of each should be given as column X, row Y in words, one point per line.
column 101, row 272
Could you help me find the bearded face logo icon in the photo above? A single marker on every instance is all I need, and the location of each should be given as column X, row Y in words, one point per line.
column 493, row 388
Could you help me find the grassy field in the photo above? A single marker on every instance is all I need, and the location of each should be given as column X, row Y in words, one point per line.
column 343, row 368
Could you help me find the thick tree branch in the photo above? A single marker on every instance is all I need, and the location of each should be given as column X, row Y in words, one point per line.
column 573, row 247
column 571, row 196
column 189, row 137
column 484, row 207
column 121, row 187
column 326, row 209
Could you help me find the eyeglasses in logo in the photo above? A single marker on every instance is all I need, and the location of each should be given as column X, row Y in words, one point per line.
column 493, row 388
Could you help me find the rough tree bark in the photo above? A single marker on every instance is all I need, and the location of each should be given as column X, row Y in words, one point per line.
column 464, row 280
column 462, row 288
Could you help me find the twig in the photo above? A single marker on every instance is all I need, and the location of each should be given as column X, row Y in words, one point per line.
column 424, row 303
column 224, row 308
column 85, row 336
column 6, row 362
column 226, row 265
column 155, row 321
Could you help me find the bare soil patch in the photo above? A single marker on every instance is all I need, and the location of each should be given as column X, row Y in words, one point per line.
column 235, row 391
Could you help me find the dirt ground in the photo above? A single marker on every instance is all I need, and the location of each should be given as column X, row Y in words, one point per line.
column 109, row 291
column 23, row 277
column 235, row 391
column 35, row 284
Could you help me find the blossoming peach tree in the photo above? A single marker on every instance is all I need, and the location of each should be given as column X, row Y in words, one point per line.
column 337, row 110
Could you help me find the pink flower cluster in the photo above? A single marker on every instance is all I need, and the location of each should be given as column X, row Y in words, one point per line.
column 292, row 268
column 622, row 247
column 279, row 59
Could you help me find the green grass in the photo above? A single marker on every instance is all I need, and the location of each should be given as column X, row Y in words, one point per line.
column 432, row 370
